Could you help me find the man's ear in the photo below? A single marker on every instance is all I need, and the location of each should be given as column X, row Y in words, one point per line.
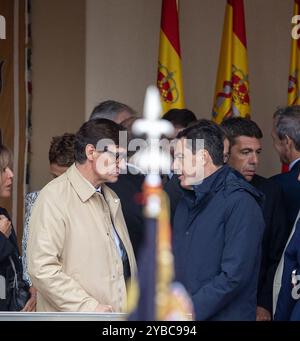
column 289, row 142
column 206, row 157
column 89, row 151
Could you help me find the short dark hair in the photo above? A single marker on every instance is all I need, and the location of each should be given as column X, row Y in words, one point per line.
column 239, row 126
column 180, row 117
column 61, row 150
column 109, row 110
column 212, row 135
column 287, row 123
column 91, row 132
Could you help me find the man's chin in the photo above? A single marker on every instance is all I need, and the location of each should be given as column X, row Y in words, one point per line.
column 183, row 182
column 249, row 177
column 112, row 178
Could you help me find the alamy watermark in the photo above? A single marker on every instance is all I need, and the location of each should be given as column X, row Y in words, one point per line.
column 155, row 156
column 296, row 29
column 296, row 288
column 2, row 27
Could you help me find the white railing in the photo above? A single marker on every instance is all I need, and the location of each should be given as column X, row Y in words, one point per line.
column 18, row 316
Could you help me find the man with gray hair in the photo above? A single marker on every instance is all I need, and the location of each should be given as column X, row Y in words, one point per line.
column 112, row 110
column 286, row 140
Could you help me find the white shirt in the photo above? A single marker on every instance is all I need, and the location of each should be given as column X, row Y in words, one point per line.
column 115, row 235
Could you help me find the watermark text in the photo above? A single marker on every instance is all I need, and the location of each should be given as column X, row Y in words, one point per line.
column 2, row 27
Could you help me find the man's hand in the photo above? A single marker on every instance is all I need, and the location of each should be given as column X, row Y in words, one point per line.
column 103, row 308
column 31, row 303
column 5, row 226
column 262, row 314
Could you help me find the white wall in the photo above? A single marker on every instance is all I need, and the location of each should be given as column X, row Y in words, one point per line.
column 58, row 77
column 122, row 40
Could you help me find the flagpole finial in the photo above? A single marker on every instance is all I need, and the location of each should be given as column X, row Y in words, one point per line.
column 152, row 104
column 153, row 160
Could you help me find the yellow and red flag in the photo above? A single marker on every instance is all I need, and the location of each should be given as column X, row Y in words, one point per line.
column 232, row 86
column 169, row 74
column 294, row 74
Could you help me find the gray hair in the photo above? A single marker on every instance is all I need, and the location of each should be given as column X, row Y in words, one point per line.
column 287, row 123
column 109, row 110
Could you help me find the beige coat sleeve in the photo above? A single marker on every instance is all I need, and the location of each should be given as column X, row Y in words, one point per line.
column 45, row 245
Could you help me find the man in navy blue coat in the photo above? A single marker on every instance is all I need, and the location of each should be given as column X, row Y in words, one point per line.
column 218, row 229
column 286, row 140
column 244, row 156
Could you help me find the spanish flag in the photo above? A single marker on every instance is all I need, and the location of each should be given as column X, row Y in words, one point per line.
column 169, row 75
column 294, row 74
column 232, row 86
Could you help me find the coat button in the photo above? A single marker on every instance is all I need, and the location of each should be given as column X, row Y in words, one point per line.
column 187, row 233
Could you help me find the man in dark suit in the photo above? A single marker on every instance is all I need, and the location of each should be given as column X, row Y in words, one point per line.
column 245, row 147
column 286, row 140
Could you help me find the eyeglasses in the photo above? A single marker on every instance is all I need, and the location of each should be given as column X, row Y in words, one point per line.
column 116, row 156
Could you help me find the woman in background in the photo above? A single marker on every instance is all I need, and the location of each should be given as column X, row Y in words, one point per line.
column 8, row 241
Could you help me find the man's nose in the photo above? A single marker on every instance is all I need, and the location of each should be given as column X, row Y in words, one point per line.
column 121, row 164
column 253, row 159
column 172, row 166
column 176, row 167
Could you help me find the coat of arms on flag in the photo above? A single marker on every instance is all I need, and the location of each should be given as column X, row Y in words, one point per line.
column 169, row 74
column 232, row 97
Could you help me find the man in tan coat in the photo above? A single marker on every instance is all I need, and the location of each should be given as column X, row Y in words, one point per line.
column 79, row 252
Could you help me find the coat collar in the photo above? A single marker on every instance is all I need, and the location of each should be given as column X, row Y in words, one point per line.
column 210, row 184
column 224, row 178
column 112, row 200
column 86, row 190
column 81, row 185
column 295, row 165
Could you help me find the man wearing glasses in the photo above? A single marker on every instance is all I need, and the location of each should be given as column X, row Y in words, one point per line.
column 79, row 252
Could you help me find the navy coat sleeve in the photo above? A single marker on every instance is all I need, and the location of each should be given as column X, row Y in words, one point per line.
column 244, row 227
column 6, row 246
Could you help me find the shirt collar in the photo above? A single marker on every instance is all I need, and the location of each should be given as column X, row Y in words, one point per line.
column 292, row 164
